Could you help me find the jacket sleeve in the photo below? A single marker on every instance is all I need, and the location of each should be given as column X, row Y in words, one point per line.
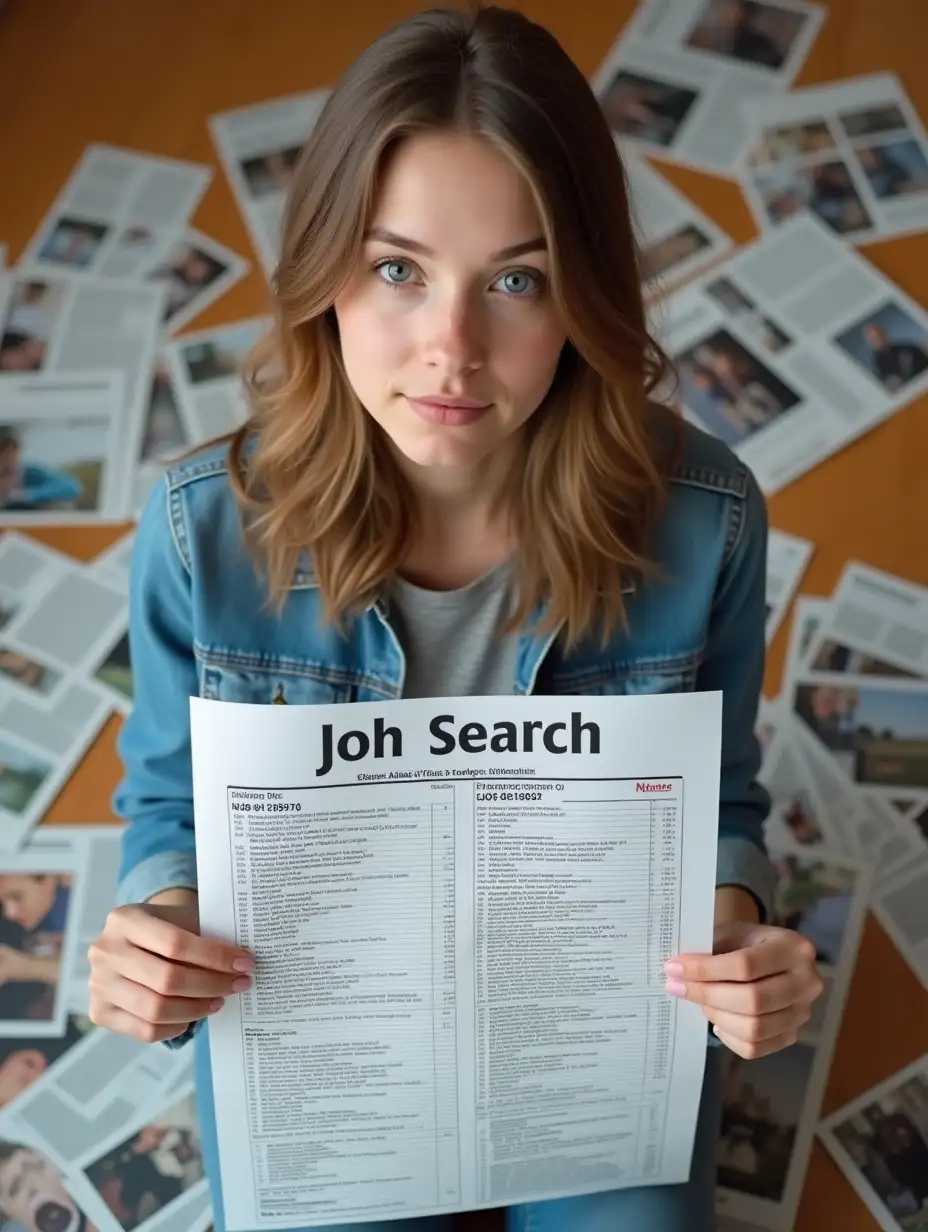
column 734, row 664
column 155, row 796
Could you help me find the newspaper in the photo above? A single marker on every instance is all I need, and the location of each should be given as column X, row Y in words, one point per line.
column 771, row 1105
column 854, row 153
column 258, row 147
column 676, row 238
column 203, row 369
column 788, row 558
column 56, row 618
column 880, row 1143
column 675, row 81
column 808, row 613
column 59, row 461
column 54, row 323
column 465, row 969
column 114, row 563
column 116, row 212
column 794, row 348
column 194, row 271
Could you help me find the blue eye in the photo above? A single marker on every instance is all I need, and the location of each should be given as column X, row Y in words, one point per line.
column 391, row 272
column 514, row 284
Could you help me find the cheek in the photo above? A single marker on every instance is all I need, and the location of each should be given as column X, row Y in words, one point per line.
column 374, row 340
column 526, row 355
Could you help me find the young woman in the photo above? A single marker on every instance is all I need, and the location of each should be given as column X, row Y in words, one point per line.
column 454, row 481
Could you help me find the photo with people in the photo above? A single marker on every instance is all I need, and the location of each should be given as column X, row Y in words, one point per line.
column 22, row 774
column 33, row 1194
column 888, row 345
column 34, row 913
column 646, row 108
column 269, row 173
column 832, row 656
column 729, row 389
column 879, row 737
column 894, row 168
column 887, row 1141
column 53, row 464
column 26, row 672
column 32, row 316
column 26, row 1059
column 804, row 139
column 74, row 242
column 144, row 1174
column 753, row 32
column 826, row 189
column 186, row 272
column 675, row 249
column 761, row 1108
column 221, row 355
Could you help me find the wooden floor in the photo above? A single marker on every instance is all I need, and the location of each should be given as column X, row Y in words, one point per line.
column 147, row 73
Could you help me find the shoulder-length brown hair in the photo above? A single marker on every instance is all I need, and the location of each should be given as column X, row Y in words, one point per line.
column 311, row 468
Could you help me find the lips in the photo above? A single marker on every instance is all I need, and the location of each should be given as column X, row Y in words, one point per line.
column 453, row 412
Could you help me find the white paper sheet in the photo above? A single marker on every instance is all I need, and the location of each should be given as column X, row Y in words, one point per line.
column 402, row 855
column 771, row 1105
column 676, row 238
column 258, row 147
column 166, row 433
column 59, row 442
column 788, row 558
column 118, row 210
column 203, row 369
column 793, row 349
column 879, row 1140
column 676, row 78
column 195, row 271
column 854, row 152
column 57, row 322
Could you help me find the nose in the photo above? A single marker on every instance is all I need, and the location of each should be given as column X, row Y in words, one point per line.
column 453, row 333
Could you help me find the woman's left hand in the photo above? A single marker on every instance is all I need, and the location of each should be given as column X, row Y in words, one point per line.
column 757, row 988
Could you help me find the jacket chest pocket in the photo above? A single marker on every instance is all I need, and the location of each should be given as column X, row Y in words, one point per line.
column 633, row 679
column 269, row 684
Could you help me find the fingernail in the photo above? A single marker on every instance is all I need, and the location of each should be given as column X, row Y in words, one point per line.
column 241, row 985
column 675, row 988
column 216, row 1005
column 673, row 968
column 243, row 964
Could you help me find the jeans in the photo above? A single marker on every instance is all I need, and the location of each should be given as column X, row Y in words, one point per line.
column 687, row 1207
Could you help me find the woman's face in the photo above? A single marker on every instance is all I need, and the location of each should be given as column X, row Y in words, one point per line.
column 31, row 1191
column 450, row 301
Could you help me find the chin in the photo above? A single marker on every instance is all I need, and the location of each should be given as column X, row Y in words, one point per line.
column 441, row 449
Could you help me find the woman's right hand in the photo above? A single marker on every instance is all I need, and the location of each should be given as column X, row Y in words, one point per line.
column 152, row 974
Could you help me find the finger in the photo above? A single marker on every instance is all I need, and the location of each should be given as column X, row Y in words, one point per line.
column 762, row 997
column 151, row 1006
column 753, row 1030
column 751, row 1051
column 148, row 932
column 782, row 952
column 121, row 1021
column 163, row 976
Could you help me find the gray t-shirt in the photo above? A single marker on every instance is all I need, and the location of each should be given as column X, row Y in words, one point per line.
column 450, row 639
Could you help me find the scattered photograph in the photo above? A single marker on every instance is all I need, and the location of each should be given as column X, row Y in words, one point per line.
column 159, row 1163
column 24, row 1060
column 884, row 118
column 27, row 672
column 53, row 464
column 674, row 249
column 759, row 329
column 137, row 238
column 800, row 140
column 186, row 272
column 33, row 1196
column 270, row 173
column 34, row 910
column 799, row 816
column 21, row 776
column 221, row 355
column 888, row 1143
column 878, row 736
column 163, row 433
column 827, row 189
column 832, row 656
column 74, row 242
column 116, row 669
column 729, row 297
column 889, row 345
column 646, row 108
column 751, row 31
column 32, row 316
column 729, row 389
column 814, row 898
column 894, row 168
column 761, row 1110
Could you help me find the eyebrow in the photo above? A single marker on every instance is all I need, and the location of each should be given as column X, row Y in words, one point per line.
column 536, row 244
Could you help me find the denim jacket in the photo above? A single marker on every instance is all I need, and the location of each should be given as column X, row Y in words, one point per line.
column 200, row 624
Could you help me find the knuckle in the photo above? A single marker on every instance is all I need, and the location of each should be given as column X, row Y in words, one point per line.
column 807, row 951
column 755, row 1000
column 149, row 1032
